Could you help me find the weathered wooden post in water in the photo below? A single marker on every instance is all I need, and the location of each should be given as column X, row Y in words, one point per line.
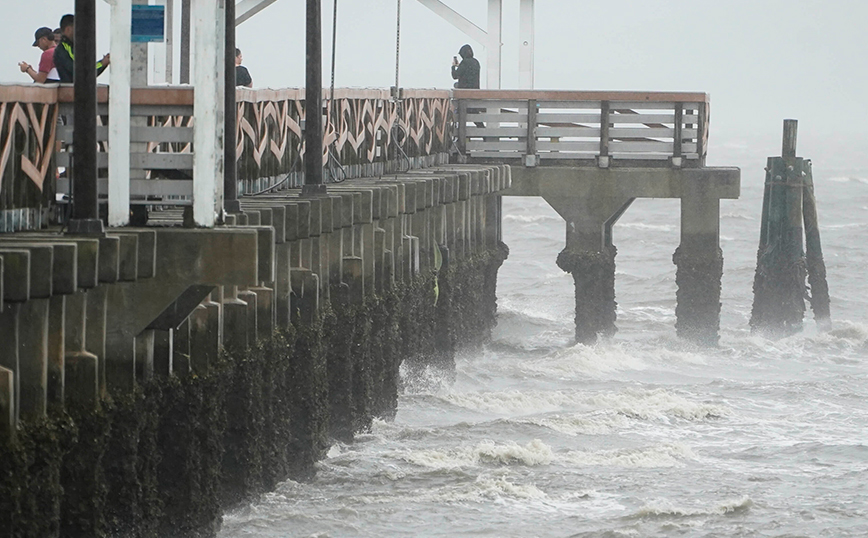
column 782, row 260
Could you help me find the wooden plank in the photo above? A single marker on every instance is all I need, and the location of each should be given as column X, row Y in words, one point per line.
column 162, row 96
column 575, row 132
column 64, row 133
column 648, row 132
column 514, row 119
column 567, row 146
column 29, row 93
column 585, row 155
column 565, row 95
column 650, row 118
column 144, row 187
column 662, row 106
column 480, row 145
column 492, row 103
column 649, row 156
column 570, row 105
column 142, row 161
column 640, row 147
column 161, row 110
column 549, row 117
column 62, row 159
column 161, row 134
column 496, row 131
column 161, row 161
column 161, row 187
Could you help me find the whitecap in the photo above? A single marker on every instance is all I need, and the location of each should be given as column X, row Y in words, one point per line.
column 668, row 455
column 486, row 452
column 665, row 508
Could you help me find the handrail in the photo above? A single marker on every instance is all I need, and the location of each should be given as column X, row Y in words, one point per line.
column 368, row 130
column 572, row 95
column 606, row 128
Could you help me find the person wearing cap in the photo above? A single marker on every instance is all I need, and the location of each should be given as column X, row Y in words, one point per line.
column 64, row 54
column 44, row 39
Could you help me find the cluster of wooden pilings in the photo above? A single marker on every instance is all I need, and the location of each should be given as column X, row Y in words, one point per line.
column 789, row 247
column 164, row 372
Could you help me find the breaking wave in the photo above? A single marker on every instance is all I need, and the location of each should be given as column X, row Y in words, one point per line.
column 484, row 453
column 665, row 508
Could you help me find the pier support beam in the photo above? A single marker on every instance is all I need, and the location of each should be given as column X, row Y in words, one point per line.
column 699, row 260
column 590, row 257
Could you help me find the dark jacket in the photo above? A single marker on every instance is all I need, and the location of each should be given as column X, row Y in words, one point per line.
column 64, row 61
column 466, row 73
column 242, row 76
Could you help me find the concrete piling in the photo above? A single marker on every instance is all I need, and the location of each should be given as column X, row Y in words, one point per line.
column 699, row 262
column 56, row 349
column 8, row 415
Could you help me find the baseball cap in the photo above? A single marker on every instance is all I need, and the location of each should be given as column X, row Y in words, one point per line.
column 42, row 32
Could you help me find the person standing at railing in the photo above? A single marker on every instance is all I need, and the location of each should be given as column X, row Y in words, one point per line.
column 467, row 75
column 242, row 75
column 64, row 54
column 44, row 39
column 466, row 72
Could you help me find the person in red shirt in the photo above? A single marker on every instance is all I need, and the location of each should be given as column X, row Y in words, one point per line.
column 44, row 39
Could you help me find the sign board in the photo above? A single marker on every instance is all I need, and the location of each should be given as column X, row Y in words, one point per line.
column 149, row 24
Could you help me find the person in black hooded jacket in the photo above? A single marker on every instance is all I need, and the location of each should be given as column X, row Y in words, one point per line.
column 466, row 72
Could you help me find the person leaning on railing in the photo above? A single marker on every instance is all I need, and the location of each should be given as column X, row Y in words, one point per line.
column 64, row 54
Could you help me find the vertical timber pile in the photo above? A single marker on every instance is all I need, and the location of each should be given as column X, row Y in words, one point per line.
column 782, row 265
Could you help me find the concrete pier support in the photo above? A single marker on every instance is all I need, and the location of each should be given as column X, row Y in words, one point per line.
column 163, row 352
column 81, row 368
column 144, row 343
column 699, row 262
column 265, row 312
column 235, row 320
column 590, row 257
column 591, row 199
column 96, row 330
column 33, row 357
column 56, row 349
column 181, row 349
column 251, row 300
column 9, row 354
column 204, row 336
column 7, row 403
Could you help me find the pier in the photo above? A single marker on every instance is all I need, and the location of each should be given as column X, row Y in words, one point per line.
column 202, row 287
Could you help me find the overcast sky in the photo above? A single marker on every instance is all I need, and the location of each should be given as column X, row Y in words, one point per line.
column 761, row 60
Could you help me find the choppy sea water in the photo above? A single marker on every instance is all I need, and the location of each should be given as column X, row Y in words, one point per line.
column 640, row 435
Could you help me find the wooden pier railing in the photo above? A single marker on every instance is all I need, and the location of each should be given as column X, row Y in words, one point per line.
column 366, row 131
column 606, row 128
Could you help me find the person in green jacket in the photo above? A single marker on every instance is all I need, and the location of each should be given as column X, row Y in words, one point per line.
column 64, row 54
